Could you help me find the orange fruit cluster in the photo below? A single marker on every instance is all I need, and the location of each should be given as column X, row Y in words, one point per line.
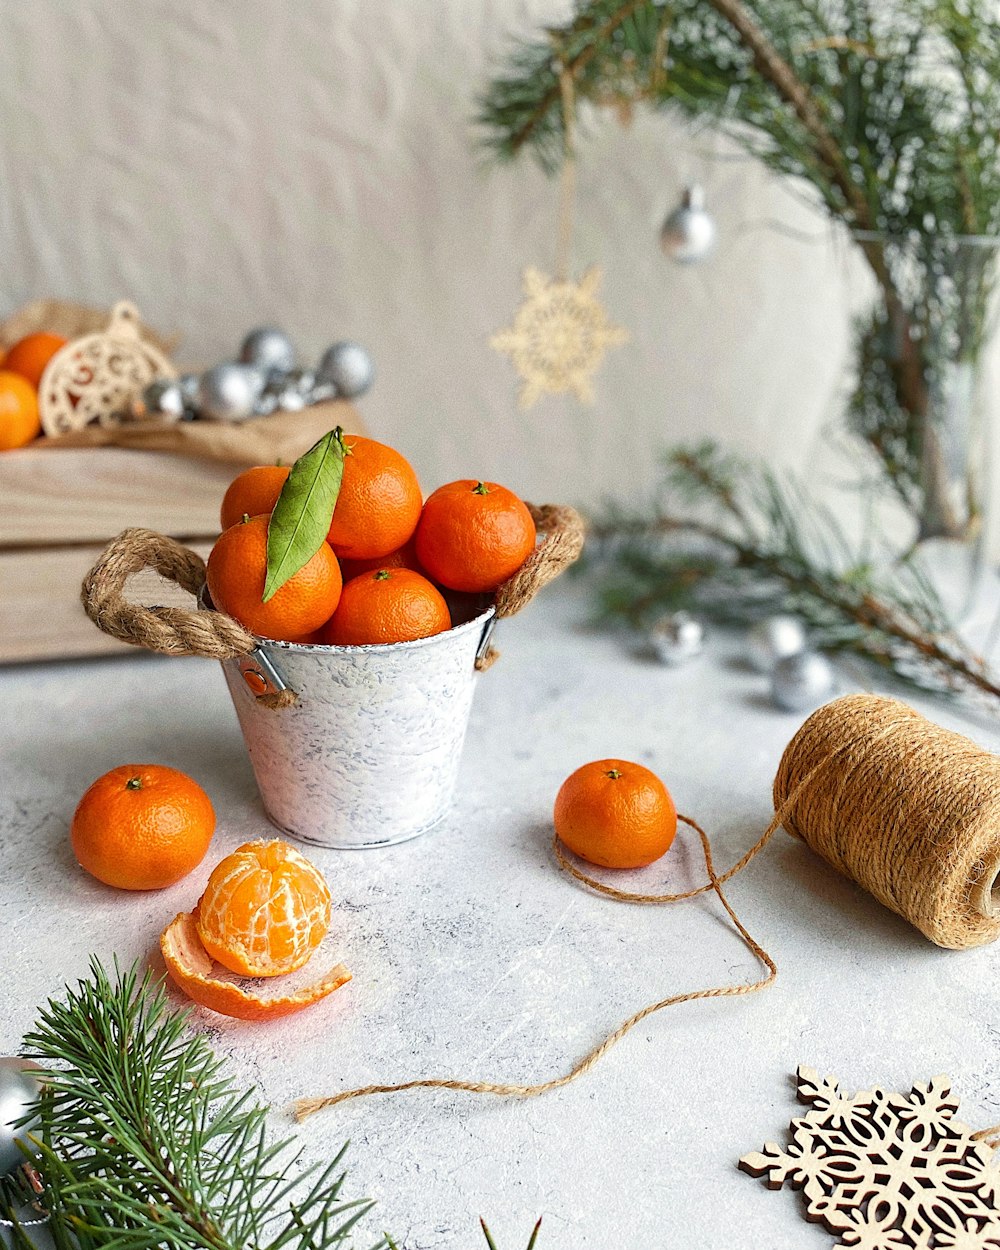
column 387, row 558
column 21, row 371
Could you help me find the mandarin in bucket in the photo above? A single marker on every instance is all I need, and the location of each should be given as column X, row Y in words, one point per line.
column 474, row 535
column 389, row 605
column 379, row 502
column 237, row 570
column 264, row 910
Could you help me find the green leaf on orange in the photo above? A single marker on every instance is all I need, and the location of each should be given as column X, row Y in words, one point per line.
column 301, row 518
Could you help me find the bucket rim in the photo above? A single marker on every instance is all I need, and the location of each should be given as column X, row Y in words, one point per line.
column 480, row 620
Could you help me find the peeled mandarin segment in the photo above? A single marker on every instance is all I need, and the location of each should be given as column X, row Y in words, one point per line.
column 190, row 967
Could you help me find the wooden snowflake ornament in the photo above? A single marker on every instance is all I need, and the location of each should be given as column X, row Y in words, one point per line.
column 559, row 336
column 95, row 377
column 888, row 1171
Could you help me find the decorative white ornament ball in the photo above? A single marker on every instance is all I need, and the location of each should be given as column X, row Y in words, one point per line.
column 348, row 367
column 268, row 348
column 688, row 235
column 772, row 639
column 229, row 392
column 677, row 637
column 19, row 1088
column 801, row 682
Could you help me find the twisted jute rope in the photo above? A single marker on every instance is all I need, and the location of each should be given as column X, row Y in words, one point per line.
column 216, row 636
column 908, row 810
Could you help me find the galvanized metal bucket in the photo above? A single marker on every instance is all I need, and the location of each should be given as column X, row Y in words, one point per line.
column 368, row 754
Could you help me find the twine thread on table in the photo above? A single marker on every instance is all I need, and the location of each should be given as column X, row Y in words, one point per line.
column 861, row 769
column 217, row 636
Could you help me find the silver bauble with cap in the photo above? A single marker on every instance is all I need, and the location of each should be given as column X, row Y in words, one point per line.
column 677, row 637
column 348, row 367
column 689, row 233
column 269, row 349
column 19, row 1088
column 772, row 639
column 229, row 392
column 801, row 682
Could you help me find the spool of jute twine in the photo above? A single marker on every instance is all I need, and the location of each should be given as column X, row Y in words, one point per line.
column 906, row 809
column 216, row 636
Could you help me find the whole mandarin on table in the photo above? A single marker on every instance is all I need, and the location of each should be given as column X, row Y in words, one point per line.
column 253, row 493
column 237, row 571
column 264, row 910
column 19, row 420
column 473, row 535
column 379, row 503
column 615, row 814
column 389, row 605
column 142, row 827
column 29, row 355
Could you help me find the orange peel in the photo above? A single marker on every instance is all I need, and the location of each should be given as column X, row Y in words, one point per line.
column 190, row 967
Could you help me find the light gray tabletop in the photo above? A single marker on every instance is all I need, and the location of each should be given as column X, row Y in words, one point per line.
column 473, row 956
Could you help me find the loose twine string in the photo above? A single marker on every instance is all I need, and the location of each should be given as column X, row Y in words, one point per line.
column 907, row 809
column 214, row 635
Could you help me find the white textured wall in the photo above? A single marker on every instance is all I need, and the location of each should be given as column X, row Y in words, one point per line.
column 311, row 163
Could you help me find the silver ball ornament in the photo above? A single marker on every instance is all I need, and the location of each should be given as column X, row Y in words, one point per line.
column 19, row 1088
column 188, row 382
column 268, row 348
column 291, row 399
column 689, row 234
column 228, row 392
column 348, row 367
column 800, row 682
column 161, row 400
column 772, row 639
column 677, row 638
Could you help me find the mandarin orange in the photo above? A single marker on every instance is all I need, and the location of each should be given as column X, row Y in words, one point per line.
column 142, row 827
column 264, row 911
column 474, row 535
column 389, row 605
column 29, row 355
column 253, row 493
column 615, row 814
column 19, row 420
column 237, row 570
column 379, row 503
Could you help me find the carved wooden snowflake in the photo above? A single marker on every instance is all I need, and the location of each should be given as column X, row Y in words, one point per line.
column 887, row 1171
column 559, row 336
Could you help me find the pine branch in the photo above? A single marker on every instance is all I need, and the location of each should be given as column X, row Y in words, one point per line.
column 145, row 1141
column 753, row 544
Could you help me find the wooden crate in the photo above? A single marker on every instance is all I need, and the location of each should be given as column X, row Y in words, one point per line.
column 60, row 505
column 58, row 509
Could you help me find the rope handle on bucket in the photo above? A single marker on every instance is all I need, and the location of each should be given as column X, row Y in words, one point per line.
column 214, row 635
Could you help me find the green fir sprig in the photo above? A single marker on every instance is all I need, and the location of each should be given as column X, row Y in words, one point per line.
column 146, row 1142
column 735, row 542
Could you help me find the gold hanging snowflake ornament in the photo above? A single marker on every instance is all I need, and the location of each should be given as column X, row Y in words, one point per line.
column 559, row 336
column 888, row 1171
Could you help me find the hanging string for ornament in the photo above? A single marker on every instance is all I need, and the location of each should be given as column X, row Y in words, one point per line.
column 560, row 331
column 99, row 376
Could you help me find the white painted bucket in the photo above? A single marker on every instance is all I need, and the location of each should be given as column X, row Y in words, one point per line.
column 368, row 754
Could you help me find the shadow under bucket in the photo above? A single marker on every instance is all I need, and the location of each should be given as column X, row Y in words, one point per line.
column 369, row 752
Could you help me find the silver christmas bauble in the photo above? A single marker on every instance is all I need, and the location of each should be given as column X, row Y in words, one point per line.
column 269, row 348
column 161, row 400
column 265, row 405
column 677, row 638
column 228, row 392
column 19, row 1088
column 188, row 382
column 322, row 391
column 799, row 682
column 348, row 367
column 291, row 399
column 688, row 234
column 772, row 639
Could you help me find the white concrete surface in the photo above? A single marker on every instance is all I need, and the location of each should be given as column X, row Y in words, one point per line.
column 474, row 956
column 313, row 164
